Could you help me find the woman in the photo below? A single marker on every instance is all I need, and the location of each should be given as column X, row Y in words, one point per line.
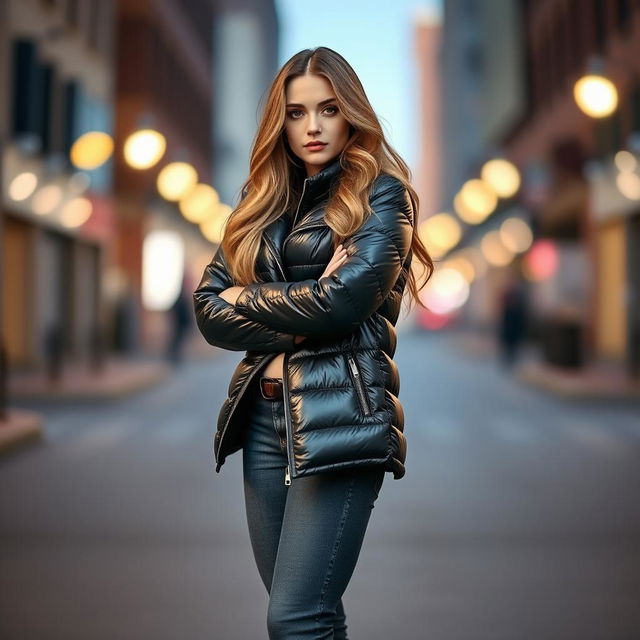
column 308, row 280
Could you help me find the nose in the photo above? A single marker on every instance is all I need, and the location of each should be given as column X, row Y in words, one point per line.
column 314, row 125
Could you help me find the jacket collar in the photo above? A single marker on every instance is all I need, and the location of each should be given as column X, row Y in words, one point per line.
column 322, row 181
column 318, row 187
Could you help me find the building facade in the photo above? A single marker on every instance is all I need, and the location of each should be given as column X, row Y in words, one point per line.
column 57, row 82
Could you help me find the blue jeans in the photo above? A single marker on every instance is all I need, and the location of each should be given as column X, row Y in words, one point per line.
column 306, row 537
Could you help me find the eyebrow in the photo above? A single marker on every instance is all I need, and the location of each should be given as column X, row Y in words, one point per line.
column 320, row 104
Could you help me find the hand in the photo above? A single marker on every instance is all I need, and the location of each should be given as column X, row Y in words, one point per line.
column 231, row 294
column 337, row 259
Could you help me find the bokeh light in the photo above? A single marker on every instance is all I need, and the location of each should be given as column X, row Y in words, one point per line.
column 76, row 212
column 47, row 199
column 596, row 95
column 541, row 262
column 22, row 186
column 176, row 180
column 625, row 161
column 516, row 235
column 475, row 201
column 200, row 203
column 629, row 185
column 144, row 148
column 502, row 176
column 213, row 228
column 440, row 233
column 91, row 150
column 162, row 269
column 446, row 291
column 494, row 251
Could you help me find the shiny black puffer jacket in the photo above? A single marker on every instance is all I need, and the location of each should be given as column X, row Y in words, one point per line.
column 341, row 383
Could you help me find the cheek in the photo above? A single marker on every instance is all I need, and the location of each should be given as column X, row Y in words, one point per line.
column 290, row 131
column 342, row 130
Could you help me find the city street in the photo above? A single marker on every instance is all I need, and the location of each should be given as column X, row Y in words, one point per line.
column 517, row 519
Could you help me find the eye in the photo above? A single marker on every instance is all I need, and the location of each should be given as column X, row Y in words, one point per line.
column 294, row 111
column 331, row 106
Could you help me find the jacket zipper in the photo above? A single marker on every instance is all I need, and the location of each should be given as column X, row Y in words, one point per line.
column 304, row 186
column 235, row 404
column 357, row 379
column 288, row 437
column 274, row 253
column 287, row 420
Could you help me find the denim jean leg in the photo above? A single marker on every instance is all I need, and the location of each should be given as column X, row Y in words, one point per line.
column 325, row 519
column 264, row 490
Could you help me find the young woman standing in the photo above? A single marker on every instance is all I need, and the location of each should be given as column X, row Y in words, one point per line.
column 309, row 280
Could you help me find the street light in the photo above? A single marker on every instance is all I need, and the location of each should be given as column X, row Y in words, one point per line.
column 91, row 150
column 594, row 93
column 143, row 148
column 176, row 180
column 502, row 176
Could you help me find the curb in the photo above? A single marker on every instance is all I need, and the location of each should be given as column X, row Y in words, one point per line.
column 576, row 387
column 20, row 428
column 107, row 387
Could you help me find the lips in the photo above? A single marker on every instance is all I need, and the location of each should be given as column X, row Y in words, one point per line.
column 315, row 145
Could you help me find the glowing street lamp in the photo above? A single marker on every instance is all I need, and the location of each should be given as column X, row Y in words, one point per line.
column 144, row 148
column 22, row 186
column 176, row 180
column 76, row 212
column 91, row 150
column 475, row 201
column 502, row 176
column 594, row 93
column 200, row 203
column 213, row 228
column 494, row 251
column 440, row 233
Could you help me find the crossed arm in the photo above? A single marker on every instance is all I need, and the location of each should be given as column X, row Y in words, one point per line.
column 220, row 323
column 268, row 316
column 337, row 304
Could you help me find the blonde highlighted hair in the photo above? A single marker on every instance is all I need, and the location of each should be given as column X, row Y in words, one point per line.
column 275, row 177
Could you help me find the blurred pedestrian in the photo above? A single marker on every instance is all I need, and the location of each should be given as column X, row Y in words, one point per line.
column 180, row 317
column 512, row 322
column 309, row 279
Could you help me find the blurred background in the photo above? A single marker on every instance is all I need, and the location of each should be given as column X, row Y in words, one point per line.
column 125, row 132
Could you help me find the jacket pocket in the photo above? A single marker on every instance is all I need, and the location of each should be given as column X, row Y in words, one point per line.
column 356, row 377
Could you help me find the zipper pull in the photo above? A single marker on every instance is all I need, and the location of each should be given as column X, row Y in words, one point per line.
column 352, row 364
column 287, row 476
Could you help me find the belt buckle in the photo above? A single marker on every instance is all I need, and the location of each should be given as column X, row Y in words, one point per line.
column 262, row 379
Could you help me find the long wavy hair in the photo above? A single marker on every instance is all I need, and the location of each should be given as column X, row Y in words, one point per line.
column 276, row 175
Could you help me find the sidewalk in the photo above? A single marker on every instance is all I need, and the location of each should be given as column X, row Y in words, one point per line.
column 19, row 428
column 118, row 378
column 593, row 382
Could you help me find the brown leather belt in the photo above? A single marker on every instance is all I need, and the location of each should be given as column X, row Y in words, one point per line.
column 271, row 388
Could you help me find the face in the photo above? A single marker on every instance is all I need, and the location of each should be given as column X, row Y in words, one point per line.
column 312, row 114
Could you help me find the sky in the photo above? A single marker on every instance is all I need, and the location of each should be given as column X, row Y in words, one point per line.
column 376, row 38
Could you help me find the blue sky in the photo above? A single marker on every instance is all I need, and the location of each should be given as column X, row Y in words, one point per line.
column 377, row 40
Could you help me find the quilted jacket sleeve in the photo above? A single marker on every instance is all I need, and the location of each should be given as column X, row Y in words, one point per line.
column 338, row 303
column 221, row 324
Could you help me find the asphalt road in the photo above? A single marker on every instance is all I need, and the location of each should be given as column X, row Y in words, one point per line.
column 518, row 518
